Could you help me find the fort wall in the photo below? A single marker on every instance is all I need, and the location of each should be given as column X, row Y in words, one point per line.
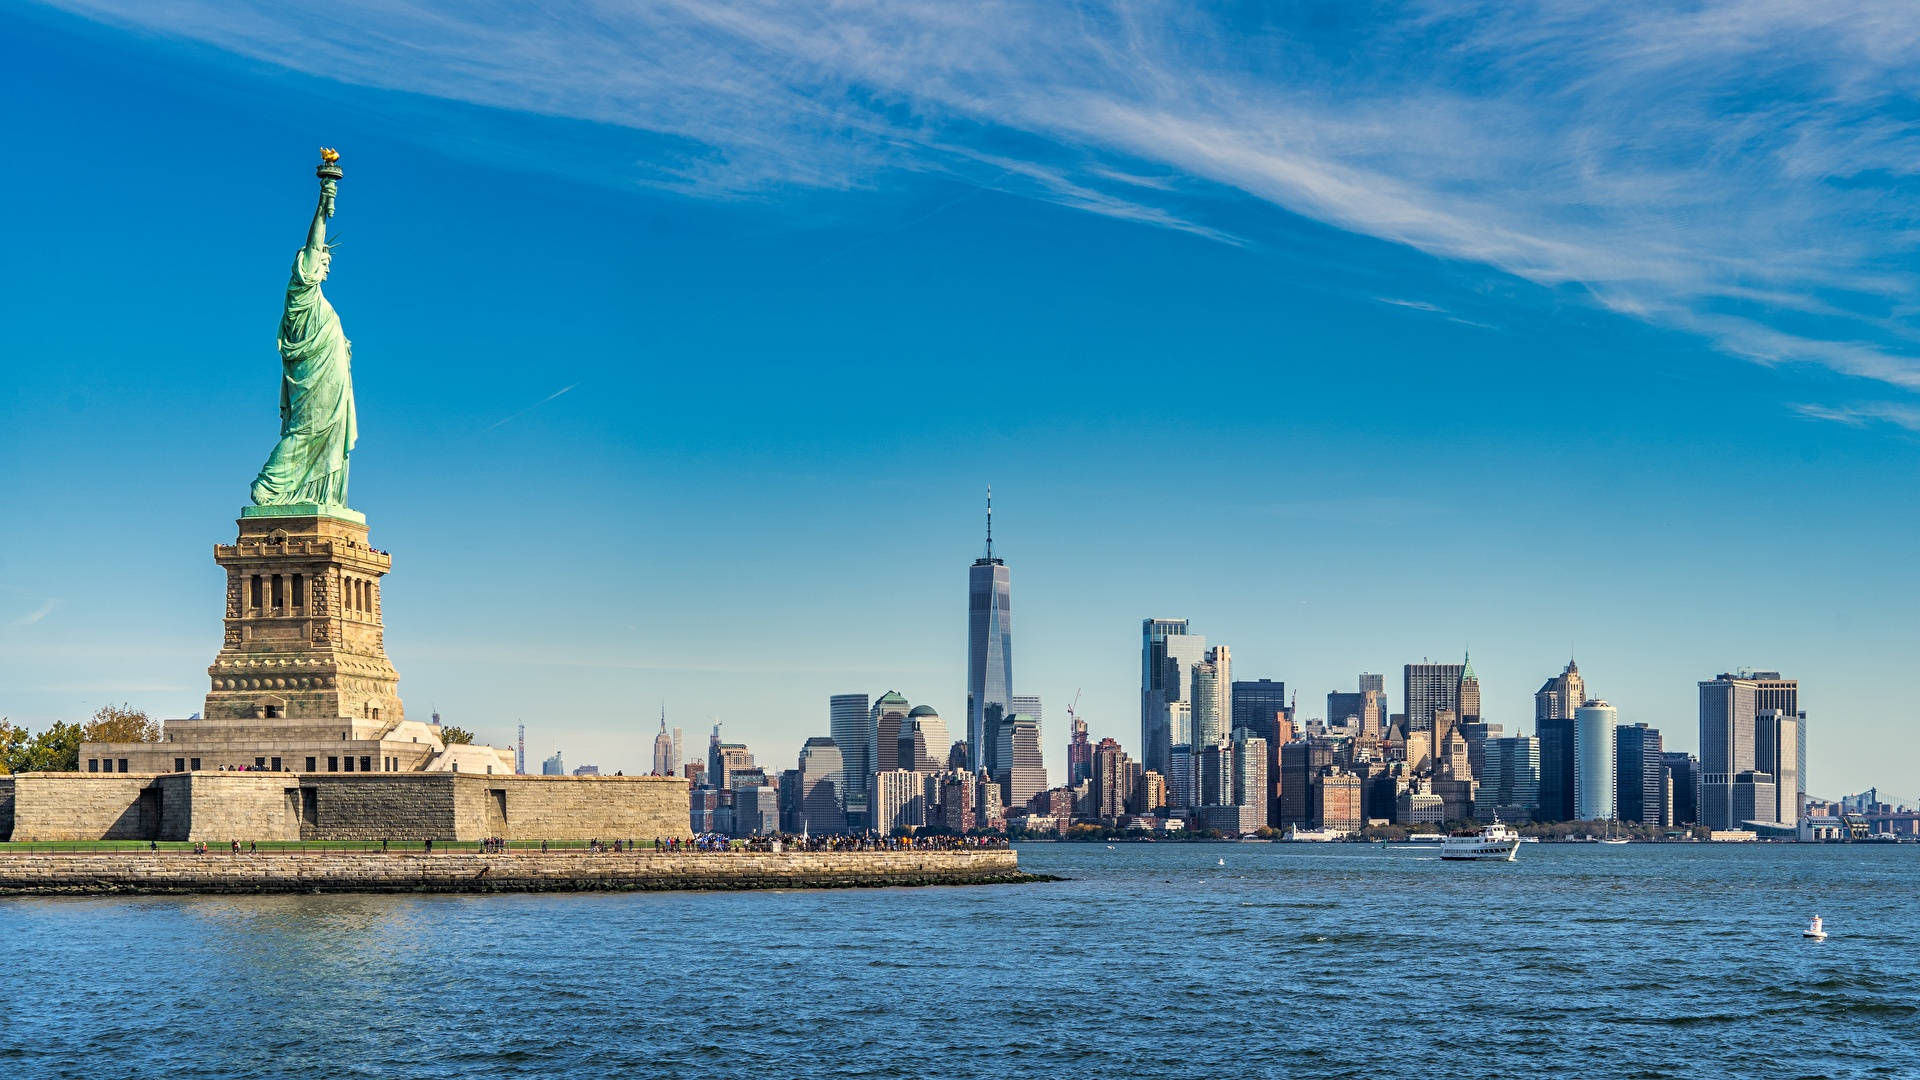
column 221, row 806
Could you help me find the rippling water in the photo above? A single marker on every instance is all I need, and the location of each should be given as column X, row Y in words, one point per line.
column 1289, row 961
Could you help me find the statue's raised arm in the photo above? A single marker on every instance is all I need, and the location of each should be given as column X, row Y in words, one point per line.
column 308, row 465
column 329, row 174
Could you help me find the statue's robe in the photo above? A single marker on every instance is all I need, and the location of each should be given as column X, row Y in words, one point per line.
column 317, row 426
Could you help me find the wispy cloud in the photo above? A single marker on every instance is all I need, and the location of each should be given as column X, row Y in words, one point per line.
column 1737, row 169
column 1417, row 305
column 1905, row 416
column 45, row 609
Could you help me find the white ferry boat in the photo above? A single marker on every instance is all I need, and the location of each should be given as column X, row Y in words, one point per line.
column 1495, row 842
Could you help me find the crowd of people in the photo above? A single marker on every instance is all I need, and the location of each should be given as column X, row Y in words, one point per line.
column 785, row 842
column 715, row 842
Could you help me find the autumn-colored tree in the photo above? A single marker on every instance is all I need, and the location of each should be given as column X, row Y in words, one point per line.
column 450, row 735
column 121, row 723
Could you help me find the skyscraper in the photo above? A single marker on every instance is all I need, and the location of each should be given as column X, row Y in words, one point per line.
column 1030, row 704
column 1167, row 655
column 1469, row 695
column 1641, row 792
column 1593, row 774
column 1212, row 688
column 957, row 802
column 898, row 800
column 1511, row 784
column 1429, row 688
column 1727, row 716
column 663, row 748
column 923, row 740
column 1342, row 801
column 1776, row 750
column 1301, row 764
column 1111, row 782
column 850, row 723
column 1683, row 787
column 1789, row 764
column 1377, row 684
column 1257, row 705
column 553, row 766
column 1182, row 791
column 1553, row 707
column 1250, row 787
column 1021, row 775
column 1213, row 765
column 1079, row 751
column 989, row 645
column 884, row 720
column 820, row 805
column 1366, row 707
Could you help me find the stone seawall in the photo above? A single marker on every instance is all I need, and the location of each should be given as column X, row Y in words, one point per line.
column 96, row 872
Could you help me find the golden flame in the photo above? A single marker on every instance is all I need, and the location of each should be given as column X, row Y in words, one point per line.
column 329, row 155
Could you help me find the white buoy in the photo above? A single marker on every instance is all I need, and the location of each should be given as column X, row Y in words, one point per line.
column 1222, row 862
column 1814, row 931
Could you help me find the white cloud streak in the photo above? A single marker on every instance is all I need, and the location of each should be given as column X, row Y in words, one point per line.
column 1883, row 412
column 1736, row 169
column 30, row 618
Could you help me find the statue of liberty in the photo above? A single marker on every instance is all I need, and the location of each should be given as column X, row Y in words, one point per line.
column 317, row 428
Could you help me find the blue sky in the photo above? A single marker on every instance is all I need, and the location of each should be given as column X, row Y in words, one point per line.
column 1356, row 339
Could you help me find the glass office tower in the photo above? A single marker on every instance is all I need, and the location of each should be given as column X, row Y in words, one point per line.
column 989, row 652
column 1593, row 760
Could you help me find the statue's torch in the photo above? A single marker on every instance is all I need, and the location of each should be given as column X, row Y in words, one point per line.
column 329, row 173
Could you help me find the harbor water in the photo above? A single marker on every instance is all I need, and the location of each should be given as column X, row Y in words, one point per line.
column 1150, row 960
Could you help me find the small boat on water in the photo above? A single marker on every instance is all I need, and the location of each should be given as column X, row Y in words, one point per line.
column 1222, row 862
column 1815, row 931
column 1491, row 843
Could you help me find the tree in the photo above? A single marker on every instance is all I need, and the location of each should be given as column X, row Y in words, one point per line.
column 11, row 738
column 56, row 749
column 452, row 735
column 121, row 723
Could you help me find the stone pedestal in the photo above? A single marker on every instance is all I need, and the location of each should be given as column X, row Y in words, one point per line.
column 302, row 683
column 304, row 640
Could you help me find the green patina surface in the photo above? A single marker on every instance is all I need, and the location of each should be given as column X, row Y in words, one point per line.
column 318, row 427
column 304, row 509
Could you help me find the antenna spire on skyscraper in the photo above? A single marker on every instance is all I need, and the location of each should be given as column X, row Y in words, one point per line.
column 989, row 521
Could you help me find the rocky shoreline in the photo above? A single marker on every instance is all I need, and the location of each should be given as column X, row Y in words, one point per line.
column 173, row 872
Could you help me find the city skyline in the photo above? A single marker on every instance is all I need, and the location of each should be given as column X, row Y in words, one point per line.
column 778, row 536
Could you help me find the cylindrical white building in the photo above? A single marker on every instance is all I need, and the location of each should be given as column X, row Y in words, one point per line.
column 1593, row 760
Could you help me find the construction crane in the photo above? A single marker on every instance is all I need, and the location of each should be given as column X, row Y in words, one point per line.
column 1073, row 717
